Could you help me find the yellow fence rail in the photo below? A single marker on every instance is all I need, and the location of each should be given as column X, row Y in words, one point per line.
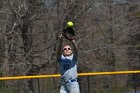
column 79, row 74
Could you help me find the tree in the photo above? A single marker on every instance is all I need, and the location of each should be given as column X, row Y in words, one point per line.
column 107, row 36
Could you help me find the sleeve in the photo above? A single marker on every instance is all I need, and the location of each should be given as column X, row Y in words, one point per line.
column 75, row 58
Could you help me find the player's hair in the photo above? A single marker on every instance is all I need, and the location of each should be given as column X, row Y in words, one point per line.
column 66, row 45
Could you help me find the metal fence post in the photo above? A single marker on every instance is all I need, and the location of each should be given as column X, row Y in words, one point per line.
column 88, row 78
column 134, row 78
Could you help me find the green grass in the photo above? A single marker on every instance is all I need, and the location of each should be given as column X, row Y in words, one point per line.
column 6, row 90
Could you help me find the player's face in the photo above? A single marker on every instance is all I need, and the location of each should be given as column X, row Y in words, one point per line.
column 67, row 51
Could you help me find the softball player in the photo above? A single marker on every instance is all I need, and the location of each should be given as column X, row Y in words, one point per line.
column 68, row 67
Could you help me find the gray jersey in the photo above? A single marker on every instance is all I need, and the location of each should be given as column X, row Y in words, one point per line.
column 68, row 67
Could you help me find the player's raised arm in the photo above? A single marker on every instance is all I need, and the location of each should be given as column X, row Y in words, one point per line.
column 75, row 48
column 59, row 52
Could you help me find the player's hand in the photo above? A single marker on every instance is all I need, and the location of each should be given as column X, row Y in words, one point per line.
column 60, row 35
